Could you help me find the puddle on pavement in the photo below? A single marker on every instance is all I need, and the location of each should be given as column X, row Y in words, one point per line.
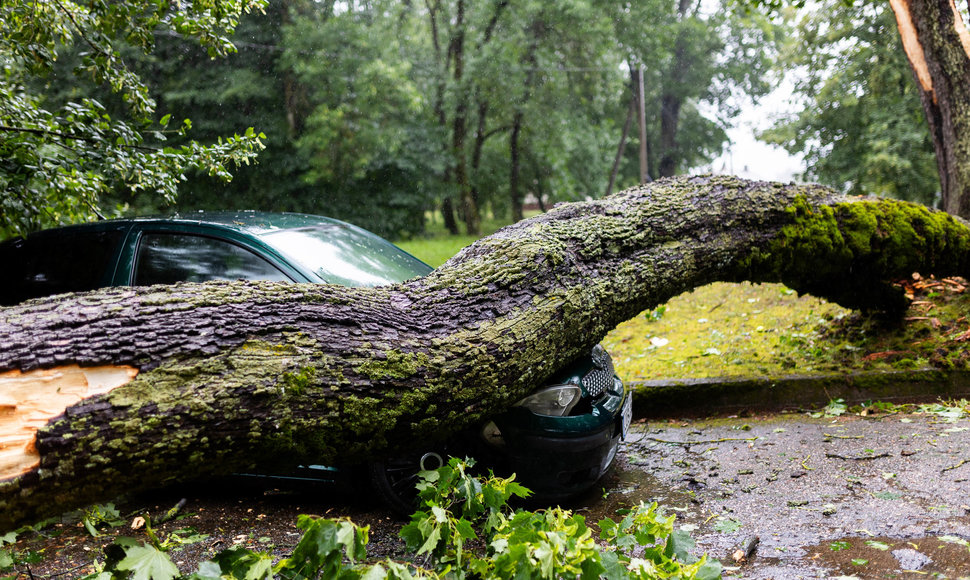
column 624, row 487
column 865, row 557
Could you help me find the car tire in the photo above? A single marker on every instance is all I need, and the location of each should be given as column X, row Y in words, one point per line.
column 394, row 479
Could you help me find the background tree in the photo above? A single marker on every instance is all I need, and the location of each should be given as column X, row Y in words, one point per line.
column 862, row 129
column 56, row 163
column 247, row 87
column 379, row 111
column 498, row 72
column 937, row 45
column 698, row 60
column 365, row 133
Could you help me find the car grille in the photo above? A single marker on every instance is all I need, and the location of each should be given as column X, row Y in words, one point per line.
column 596, row 381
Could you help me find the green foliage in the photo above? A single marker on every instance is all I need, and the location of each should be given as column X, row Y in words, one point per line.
column 374, row 112
column 7, row 558
column 727, row 525
column 862, row 128
column 144, row 562
column 100, row 515
column 370, row 108
column 61, row 156
column 655, row 314
column 465, row 528
column 835, row 408
column 697, row 59
column 322, row 550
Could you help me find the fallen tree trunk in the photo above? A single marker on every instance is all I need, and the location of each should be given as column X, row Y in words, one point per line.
column 160, row 384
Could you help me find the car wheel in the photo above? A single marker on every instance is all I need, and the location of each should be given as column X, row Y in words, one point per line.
column 394, row 479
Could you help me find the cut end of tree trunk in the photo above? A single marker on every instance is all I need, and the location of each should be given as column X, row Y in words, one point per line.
column 28, row 401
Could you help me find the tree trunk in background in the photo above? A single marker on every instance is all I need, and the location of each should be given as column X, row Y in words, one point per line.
column 448, row 214
column 537, row 30
column 236, row 374
column 670, row 102
column 515, row 169
column 669, row 118
column 938, row 47
column 468, row 205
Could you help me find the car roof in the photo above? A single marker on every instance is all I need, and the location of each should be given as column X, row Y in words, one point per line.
column 249, row 222
column 252, row 222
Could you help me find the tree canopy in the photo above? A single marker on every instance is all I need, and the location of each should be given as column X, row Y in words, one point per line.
column 936, row 42
column 60, row 158
column 374, row 111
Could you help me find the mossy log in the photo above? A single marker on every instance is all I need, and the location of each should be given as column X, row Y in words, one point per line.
column 194, row 380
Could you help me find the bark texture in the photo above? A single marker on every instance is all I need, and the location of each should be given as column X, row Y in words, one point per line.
column 937, row 45
column 231, row 375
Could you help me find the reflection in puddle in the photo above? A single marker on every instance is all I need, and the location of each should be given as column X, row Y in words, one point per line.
column 945, row 556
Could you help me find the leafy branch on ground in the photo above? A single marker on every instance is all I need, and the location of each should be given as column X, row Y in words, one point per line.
column 465, row 528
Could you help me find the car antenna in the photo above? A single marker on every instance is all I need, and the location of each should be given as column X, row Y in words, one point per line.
column 97, row 212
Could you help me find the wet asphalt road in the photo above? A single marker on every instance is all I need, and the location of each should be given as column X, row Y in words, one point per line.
column 885, row 496
column 864, row 497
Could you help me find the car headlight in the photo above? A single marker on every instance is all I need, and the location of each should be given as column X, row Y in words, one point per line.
column 554, row 401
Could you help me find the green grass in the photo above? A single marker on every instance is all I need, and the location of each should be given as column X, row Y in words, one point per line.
column 437, row 245
column 727, row 330
column 435, row 251
column 749, row 330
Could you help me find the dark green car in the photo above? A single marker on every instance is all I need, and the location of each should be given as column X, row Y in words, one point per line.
column 559, row 440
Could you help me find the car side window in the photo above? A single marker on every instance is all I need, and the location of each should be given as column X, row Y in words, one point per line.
column 165, row 258
column 53, row 263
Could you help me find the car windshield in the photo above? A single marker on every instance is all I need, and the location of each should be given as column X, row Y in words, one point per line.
column 339, row 254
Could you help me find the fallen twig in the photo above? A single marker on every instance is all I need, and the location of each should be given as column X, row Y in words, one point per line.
column 952, row 467
column 689, row 443
column 170, row 513
column 747, row 550
column 857, row 458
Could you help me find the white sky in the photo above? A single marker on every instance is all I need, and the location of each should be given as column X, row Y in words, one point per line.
column 747, row 157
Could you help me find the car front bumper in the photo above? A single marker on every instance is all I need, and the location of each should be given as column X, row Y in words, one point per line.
column 558, row 457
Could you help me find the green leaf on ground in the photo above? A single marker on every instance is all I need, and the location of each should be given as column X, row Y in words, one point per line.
column 839, row 546
column 148, row 563
column 727, row 525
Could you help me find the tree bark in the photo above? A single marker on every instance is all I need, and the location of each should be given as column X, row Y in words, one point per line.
column 230, row 375
column 938, row 47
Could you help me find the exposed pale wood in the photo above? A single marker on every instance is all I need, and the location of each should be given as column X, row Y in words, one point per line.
column 29, row 400
column 911, row 44
column 961, row 28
